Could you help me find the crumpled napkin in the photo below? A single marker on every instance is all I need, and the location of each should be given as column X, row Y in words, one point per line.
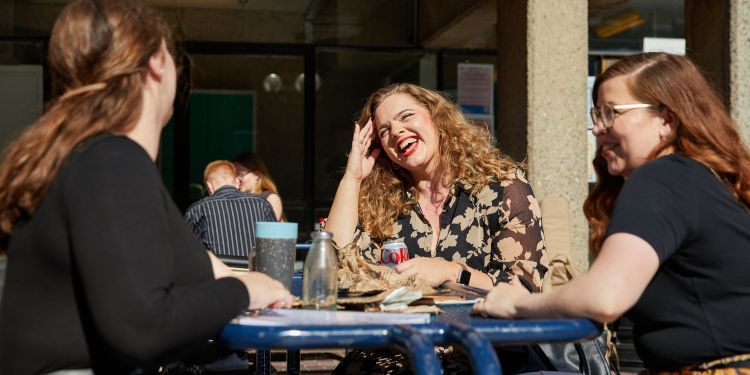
column 383, row 287
column 360, row 276
column 399, row 299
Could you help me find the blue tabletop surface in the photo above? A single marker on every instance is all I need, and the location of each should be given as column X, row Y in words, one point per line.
column 453, row 325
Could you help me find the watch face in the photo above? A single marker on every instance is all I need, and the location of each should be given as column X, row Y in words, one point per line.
column 463, row 277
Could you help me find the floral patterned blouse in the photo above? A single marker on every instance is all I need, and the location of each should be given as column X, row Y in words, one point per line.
column 497, row 231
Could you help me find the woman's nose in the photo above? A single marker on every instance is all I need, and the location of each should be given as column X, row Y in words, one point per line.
column 397, row 129
column 598, row 128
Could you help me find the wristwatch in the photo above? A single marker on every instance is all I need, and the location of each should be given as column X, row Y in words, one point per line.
column 464, row 275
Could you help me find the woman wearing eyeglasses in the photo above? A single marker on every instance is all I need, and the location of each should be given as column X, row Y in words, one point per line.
column 669, row 219
column 255, row 179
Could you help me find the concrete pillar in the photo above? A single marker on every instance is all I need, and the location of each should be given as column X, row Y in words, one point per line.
column 739, row 65
column 718, row 39
column 542, row 100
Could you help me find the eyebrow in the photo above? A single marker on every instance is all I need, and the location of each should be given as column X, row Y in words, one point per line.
column 397, row 115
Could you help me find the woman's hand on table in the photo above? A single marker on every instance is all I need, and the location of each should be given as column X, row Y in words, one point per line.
column 500, row 302
column 265, row 291
column 361, row 160
column 433, row 270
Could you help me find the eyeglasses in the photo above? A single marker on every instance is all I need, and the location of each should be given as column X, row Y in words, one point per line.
column 607, row 113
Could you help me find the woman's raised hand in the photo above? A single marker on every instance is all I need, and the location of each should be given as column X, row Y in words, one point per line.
column 361, row 159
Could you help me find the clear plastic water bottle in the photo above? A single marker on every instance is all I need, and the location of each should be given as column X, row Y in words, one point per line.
column 320, row 274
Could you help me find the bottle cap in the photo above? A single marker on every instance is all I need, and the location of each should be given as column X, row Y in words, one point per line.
column 321, row 235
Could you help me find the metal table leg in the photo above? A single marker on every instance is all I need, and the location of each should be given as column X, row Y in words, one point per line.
column 421, row 350
column 292, row 362
column 479, row 349
column 263, row 362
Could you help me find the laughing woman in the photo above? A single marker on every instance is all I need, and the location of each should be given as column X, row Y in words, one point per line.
column 670, row 222
column 420, row 173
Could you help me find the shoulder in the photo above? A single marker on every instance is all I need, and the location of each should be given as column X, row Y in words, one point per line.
column 108, row 151
column 193, row 208
column 109, row 146
column 110, row 161
column 670, row 170
column 253, row 199
column 273, row 197
column 514, row 184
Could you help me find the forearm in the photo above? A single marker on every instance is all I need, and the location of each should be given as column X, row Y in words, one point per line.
column 342, row 219
column 579, row 298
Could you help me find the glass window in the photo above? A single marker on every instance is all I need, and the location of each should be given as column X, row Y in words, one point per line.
column 348, row 78
column 241, row 103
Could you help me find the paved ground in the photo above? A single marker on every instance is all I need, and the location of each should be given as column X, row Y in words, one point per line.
column 313, row 361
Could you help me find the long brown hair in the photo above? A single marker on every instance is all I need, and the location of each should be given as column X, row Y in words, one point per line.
column 255, row 164
column 466, row 154
column 98, row 54
column 703, row 131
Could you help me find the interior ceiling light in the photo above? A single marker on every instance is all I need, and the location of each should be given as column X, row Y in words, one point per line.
column 299, row 82
column 618, row 23
column 272, row 83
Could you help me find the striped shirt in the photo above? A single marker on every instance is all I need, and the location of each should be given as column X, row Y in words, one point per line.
column 225, row 221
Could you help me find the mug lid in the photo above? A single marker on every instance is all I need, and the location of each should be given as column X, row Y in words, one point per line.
column 269, row 229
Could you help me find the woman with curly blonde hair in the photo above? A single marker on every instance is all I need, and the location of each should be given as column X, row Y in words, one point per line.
column 670, row 222
column 465, row 211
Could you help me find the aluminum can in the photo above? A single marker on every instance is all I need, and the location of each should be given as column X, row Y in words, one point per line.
column 394, row 253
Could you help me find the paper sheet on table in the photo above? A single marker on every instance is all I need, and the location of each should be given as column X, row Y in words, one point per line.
column 284, row 317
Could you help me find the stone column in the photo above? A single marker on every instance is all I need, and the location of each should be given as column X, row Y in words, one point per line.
column 739, row 65
column 542, row 100
column 718, row 39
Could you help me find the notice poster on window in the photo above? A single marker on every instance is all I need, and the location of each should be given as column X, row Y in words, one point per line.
column 475, row 93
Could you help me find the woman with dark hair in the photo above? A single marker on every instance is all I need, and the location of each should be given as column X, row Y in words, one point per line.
column 103, row 274
column 255, row 179
column 419, row 172
column 669, row 218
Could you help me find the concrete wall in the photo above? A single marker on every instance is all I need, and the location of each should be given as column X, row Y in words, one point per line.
column 543, row 99
column 739, row 65
column 718, row 39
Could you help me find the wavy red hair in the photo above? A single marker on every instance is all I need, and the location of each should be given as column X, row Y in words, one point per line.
column 703, row 131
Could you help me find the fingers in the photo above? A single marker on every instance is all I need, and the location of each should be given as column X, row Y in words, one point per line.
column 366, row 137
column 478, row 308
column 355, row 136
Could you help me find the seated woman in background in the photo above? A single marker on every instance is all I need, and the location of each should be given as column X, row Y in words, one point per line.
column 464, row 211
column 103, row 275
column 670, row 222
column 255, row 179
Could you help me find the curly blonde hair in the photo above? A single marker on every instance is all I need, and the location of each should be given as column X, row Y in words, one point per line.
column 466, row 155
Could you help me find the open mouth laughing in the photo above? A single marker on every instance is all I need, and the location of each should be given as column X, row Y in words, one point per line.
column 407, row 146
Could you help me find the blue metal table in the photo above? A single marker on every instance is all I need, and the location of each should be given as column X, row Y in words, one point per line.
column 455, row 326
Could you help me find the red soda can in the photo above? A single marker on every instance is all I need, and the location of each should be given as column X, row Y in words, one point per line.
column 393, row 253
